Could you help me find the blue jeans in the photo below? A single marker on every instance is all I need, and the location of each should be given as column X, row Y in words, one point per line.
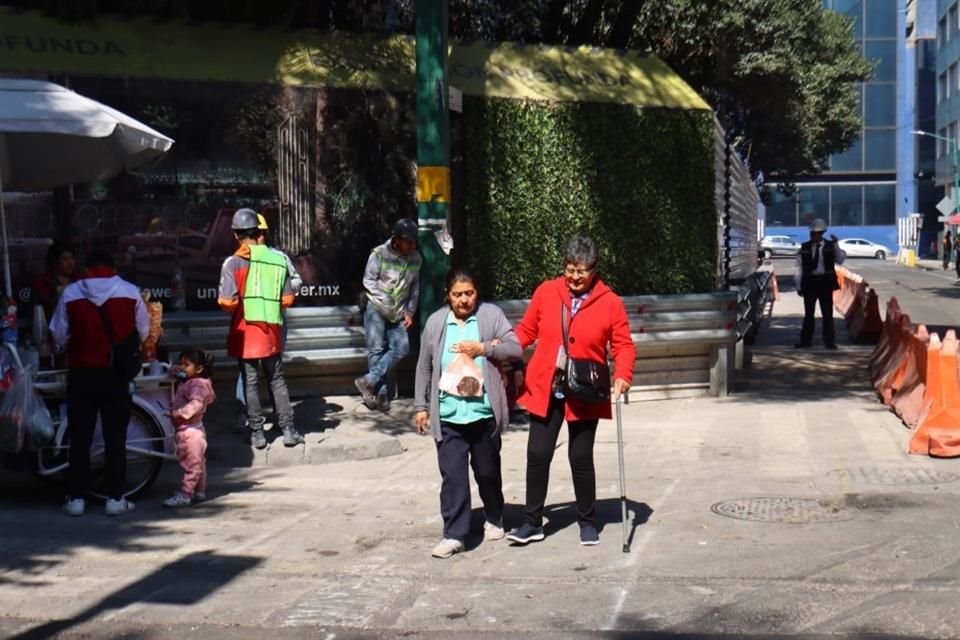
column 387, row 344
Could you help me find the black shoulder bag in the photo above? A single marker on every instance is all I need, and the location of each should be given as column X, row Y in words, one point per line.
column 125, row 356
column 586, row 380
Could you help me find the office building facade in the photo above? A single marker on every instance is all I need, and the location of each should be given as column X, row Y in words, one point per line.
column 863, row 191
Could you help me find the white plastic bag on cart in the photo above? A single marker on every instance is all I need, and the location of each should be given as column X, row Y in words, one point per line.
column 24, row 418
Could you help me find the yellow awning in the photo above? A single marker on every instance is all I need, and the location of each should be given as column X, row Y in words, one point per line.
column 31, row 43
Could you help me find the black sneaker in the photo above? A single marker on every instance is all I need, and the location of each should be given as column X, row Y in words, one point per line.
column 526, row 533
column 366, row 392
column 589, row 535
column 832, row 346
column 257, row 439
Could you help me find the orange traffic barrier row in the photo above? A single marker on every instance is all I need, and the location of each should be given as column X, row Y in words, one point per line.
column 917, row 375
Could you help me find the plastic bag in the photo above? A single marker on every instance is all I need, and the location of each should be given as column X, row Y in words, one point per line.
column 8, row 369
column 462, row 378
column 24, row 418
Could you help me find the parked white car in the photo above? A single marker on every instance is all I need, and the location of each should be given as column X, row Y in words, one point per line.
column 779, row 246
column 860, row 248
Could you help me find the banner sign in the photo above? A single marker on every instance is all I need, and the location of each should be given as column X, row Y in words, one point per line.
column 31, row 42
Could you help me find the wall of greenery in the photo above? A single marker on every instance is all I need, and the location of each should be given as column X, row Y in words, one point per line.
column 639, row 181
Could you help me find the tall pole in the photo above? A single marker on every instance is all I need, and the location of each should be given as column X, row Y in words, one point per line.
column 956, row 176
column 433, row 148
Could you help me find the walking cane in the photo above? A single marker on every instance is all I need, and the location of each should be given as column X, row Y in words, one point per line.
column 623, row 481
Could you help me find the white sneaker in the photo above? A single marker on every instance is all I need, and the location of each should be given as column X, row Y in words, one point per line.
column 74, row 507
column 447, row 547
column 492, row 532
column 118, row 507
column 179, row 499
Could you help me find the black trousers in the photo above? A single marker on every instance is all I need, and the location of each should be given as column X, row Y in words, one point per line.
column 817, row 289
column 544, row 431
column 92, row 393
column 478, row 443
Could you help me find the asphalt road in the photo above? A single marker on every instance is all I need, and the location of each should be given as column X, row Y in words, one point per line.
column 789, row 510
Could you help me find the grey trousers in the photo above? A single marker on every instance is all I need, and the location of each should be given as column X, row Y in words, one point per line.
column 273, row 370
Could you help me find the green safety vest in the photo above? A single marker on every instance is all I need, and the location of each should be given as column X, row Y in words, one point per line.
column 263, row 289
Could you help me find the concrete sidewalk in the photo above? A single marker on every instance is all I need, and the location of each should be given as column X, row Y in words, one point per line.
column 789, row 509
column 335, row 428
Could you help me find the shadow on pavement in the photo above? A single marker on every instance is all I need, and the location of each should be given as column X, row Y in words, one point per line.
column 780, row 373
column 37, row 537
column 182, row 582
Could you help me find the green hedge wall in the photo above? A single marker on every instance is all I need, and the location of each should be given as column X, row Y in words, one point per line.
column 640, row 181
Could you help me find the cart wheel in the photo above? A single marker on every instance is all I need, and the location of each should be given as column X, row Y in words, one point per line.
column 143, row 432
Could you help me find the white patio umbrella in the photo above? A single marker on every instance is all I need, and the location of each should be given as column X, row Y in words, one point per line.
column 51, row 136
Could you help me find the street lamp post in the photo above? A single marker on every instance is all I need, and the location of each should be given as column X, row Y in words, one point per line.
column 955, row 154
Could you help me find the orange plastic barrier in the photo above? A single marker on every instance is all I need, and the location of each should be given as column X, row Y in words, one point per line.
column 860, row 307
column 905, row 395
column 885, row 373
column 872, row 322
column 939, row 431
column 882, row 350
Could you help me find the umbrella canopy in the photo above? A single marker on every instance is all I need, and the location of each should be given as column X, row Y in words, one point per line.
column 51, row 137
column 954, row 219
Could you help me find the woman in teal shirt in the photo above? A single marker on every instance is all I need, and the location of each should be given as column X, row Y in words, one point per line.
column 466, row 422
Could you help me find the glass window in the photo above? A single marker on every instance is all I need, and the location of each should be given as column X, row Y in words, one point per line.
column 854, row 10
column 942, row 87
column 847, row 209
column 884, row 53
column 880, row 150
column 782, row 210
column 951, row 80
column 880, row 108
column 814, row 203
column 942, row 31
column 849, row 160
column 952, row 23
column 879, row 206
column 881, row 19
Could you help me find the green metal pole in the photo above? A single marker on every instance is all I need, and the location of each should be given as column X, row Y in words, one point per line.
column 433, row 148
column 956, row 177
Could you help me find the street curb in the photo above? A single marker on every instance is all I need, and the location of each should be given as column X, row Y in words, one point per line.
column 350, row 433
column 317, row 450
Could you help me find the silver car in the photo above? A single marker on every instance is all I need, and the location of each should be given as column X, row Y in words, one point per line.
column 861, row 248
column 779, row 246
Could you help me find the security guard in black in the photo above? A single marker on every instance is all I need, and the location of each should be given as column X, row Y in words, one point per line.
column 816, row 280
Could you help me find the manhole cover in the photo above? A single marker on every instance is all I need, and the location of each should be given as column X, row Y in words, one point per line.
column 783, row 510
column 893, row 476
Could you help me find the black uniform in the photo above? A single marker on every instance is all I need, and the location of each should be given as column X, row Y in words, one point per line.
column 818, row 287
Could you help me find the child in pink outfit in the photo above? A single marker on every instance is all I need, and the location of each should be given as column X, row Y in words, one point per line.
column 194, row 395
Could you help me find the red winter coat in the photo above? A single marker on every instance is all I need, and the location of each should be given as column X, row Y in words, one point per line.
column 601, row 320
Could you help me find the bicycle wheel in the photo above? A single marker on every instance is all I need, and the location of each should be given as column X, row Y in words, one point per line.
column 143, row 432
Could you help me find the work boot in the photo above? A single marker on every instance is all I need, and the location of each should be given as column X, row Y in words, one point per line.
column 292, row 437
column 366, row 392
column 257, row 438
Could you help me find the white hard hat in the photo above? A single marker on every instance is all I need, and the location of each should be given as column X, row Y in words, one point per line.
column 818, row 225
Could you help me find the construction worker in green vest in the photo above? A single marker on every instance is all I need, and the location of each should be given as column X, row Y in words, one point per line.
column 255, row 288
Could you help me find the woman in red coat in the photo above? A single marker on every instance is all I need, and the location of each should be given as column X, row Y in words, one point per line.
column 596, row 317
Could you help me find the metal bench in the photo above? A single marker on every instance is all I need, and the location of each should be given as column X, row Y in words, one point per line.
column 685, row 343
